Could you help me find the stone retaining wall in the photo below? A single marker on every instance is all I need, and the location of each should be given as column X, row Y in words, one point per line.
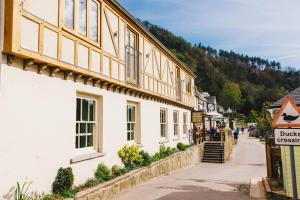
column 228, row 146
column 120, row 184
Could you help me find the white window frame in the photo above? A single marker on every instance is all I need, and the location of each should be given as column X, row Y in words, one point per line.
column 164, row 123
column 131, row 131
column 176, row 123
column 185, row 124
column 95, row 134
column 76, row 15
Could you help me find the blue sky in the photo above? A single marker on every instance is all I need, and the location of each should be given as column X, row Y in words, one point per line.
column 265, row 28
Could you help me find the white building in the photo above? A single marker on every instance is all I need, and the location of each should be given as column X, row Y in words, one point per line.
column 79, row 80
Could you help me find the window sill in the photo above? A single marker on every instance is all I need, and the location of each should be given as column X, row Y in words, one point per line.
column 85, row 157
column 185, row 137
column 164, row 141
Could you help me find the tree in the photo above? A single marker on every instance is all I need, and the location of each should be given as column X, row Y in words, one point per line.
column 231, row 96
column 259, row 79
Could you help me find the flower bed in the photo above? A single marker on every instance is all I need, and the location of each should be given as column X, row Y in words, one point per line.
column 111, row 188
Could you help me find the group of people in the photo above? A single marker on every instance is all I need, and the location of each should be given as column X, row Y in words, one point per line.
column 215, row 132
column 236, row 134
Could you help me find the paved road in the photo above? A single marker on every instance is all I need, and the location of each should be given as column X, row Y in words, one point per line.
column 207, row 181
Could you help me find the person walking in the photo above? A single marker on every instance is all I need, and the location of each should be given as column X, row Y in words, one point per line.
column 243, row 129
column 235, row 136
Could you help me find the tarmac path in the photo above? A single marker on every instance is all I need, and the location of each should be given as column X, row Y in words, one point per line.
column 207, row 181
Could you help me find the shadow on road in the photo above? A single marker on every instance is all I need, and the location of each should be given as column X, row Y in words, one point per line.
column 190, row 192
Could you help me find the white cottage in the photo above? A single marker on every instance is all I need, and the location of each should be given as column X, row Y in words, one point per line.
column 79, row 80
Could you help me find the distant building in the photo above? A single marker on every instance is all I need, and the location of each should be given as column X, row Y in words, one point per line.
column 79, row 80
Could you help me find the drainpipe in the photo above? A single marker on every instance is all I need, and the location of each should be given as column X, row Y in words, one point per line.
column 1, row 34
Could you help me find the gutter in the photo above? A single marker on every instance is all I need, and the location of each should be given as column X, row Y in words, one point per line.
column 2, row 6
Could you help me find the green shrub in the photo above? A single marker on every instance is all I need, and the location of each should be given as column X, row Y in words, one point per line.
column 117, row 171
column 102, row 173
column 146, row 158
column 130, row 156
column 51, row 197
column 91, row 182
column 181, row 146
column 155, row 157
column 71, row 193
column 165, row 151
column 174, row 150
column 63, row 181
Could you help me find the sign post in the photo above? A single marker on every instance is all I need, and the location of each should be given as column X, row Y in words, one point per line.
column 289, row 117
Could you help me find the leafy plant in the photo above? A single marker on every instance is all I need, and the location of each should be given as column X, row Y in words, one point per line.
column 63, row 181
column 102, row 173
column 181, row 146
column 146, row 158
column 51, row 197
column 118, row 171
column 70, row 193
column 91, row 182
column 163, row 153
column 21, row 193
column 130, row 156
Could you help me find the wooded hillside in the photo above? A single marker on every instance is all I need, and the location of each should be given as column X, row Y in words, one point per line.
column 259, row 80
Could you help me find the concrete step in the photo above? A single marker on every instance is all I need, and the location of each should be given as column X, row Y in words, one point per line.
column 212, row 161
column 257, row 189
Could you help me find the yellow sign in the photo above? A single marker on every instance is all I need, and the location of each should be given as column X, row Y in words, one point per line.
column 197, row 116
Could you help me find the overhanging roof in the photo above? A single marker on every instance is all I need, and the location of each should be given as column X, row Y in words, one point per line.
column 295, row 94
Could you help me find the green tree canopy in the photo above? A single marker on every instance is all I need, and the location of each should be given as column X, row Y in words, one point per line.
column 259, row 79
column 231, row 96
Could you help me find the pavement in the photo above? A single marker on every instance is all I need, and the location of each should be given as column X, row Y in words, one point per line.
column 207, row 181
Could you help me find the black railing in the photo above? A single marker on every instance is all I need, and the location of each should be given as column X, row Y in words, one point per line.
column 133, row 66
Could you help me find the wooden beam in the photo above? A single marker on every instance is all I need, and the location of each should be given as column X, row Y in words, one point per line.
column 116, row 87
column 87, row 79
column 53, row 71
column 27, row 63
column 77, row 76
column 67, row 74
column 10, row 60
column 95, row 82
column 42, row 67
column 109, row 85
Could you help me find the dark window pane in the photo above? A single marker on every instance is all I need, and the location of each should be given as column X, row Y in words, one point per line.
column 69, row 13
column 90, row 128
column 85, row 108
column 82, row 17
column 77, row 127
column 92, row 108
column 128, row 136
column 76, row 142
column 82, row 128
column 133, row 113
column 78, row 109
column 128, row 126
column 89, row 140
column 129, row 114
column 82, row 141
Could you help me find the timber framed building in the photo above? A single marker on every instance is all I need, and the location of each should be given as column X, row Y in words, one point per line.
column 79, row 80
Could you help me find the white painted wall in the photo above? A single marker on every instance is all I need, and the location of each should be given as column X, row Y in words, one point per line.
column 37, row 127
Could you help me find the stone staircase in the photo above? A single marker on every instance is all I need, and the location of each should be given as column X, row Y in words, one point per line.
column 213, row 152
